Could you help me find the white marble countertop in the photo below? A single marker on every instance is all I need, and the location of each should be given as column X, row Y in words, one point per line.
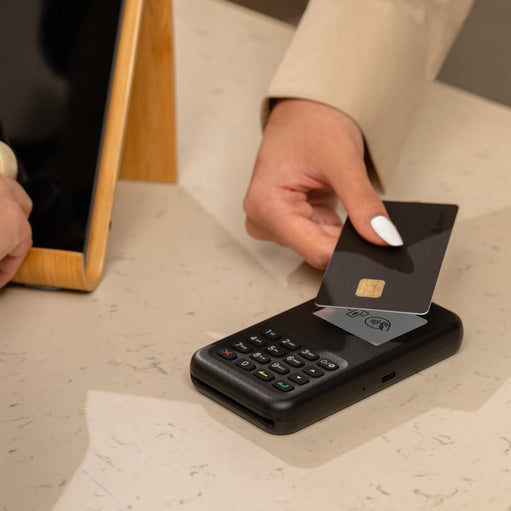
column 98, row 412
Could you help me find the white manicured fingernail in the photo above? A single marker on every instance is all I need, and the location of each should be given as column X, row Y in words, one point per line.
column 386, row 230
column 8, row 162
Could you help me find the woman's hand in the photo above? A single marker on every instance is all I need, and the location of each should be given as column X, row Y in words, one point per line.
column 312, row 155
column 15, row 231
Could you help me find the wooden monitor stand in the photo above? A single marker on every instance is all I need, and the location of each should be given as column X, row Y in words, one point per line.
column 139, row 141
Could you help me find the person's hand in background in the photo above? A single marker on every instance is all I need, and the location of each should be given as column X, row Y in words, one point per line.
column 15, row 230
column 312, row 155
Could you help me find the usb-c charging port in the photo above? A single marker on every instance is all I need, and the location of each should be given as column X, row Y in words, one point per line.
column 388, row 377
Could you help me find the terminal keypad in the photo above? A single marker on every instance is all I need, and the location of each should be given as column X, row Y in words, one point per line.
column 277, row 360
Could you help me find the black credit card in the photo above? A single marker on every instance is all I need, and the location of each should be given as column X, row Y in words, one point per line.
column 361, row 275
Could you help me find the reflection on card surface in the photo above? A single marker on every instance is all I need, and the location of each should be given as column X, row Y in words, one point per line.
column 371, row 326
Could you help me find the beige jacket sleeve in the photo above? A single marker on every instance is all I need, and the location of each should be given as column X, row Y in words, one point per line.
column 372, row 59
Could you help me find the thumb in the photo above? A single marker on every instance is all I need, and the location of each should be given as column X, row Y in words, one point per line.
column 365, row 209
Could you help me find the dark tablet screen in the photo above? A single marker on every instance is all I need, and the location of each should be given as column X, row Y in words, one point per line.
column 56, row 63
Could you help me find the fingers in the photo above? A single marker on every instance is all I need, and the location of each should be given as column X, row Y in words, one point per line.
column 364, row 207
column 10, row 264
column 314, row 243
column 11, row 190
column 20, row 197
column 15, row 230
column 304, row 222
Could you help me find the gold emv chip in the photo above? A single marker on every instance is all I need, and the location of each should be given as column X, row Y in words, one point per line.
column 370, row 288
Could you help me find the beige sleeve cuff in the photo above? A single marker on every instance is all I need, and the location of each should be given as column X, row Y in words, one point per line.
column 372, row 59
column 8, row 162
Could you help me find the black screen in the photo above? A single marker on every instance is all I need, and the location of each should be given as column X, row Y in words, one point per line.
column 56, row 62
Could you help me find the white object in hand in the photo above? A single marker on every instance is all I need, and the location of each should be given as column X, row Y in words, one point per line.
column 8, row 162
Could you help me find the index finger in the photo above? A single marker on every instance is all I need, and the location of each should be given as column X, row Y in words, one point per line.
column 19, row 195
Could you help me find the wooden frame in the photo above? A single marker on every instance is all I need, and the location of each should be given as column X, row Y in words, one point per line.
column 139, row 141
